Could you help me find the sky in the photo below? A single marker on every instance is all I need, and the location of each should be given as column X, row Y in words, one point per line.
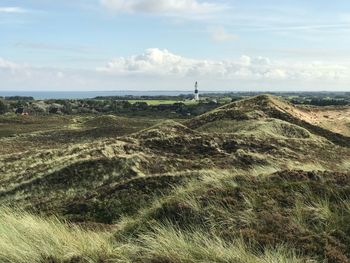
column 225, row 45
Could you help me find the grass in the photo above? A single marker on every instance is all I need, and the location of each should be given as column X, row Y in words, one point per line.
column 308, row 211
column 12, row 125
column 154, row 102
column 22, row 133
column 166, row 102
column 28, row 238
column 269, row 128
column 169, row 244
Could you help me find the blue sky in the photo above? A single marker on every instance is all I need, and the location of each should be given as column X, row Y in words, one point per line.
column 169, row 44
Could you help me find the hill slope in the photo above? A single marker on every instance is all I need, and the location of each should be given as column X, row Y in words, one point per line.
column 265, row 107
column 257, row 171
column 246, row 135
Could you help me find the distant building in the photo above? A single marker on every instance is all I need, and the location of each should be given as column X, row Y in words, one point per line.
column 196, row 92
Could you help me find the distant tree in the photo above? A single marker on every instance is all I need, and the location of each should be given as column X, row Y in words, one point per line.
column 120, row 105
column 18, row 104
column 67, row 108
column 140, row 105
column 53, row 110
column 22, row 98
column 3, row 107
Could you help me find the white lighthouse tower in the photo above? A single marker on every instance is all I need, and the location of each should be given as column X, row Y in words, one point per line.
column 196, row 93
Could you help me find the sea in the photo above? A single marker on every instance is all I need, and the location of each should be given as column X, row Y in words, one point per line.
column 42, row 95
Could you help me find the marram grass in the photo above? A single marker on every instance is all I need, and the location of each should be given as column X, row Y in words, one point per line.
column 167, row 244
column 28, row 238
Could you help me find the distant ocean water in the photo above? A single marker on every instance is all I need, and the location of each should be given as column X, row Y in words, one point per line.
column 40, row 95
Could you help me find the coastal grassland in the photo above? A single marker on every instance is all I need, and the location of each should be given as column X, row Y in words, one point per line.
column 154, row 102
column 169, row 244
column 222, row 187
column 306, row 211
column 113, row 121
column 11, row 125
column 20, row 134
column 14, row 125
column 28, row 238
column 260, row 128
column 169, row 102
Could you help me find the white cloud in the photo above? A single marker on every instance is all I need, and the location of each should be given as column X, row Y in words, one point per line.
column 8, row 65
column 12, row 10
column 164, row 7
column 219, row 34
column 162, row 70
column 156, row 62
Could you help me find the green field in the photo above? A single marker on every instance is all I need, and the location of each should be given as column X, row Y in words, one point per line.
column 155, row 102
column 167, row 102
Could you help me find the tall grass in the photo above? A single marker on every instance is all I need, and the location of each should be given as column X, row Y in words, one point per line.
column 27, row 238
column 167, row 244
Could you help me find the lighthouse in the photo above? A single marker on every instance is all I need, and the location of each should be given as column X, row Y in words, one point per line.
column 196, row 93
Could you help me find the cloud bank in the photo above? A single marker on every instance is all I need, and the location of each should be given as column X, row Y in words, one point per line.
column 156, row 62
column 6, row 65
column 158, row 69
